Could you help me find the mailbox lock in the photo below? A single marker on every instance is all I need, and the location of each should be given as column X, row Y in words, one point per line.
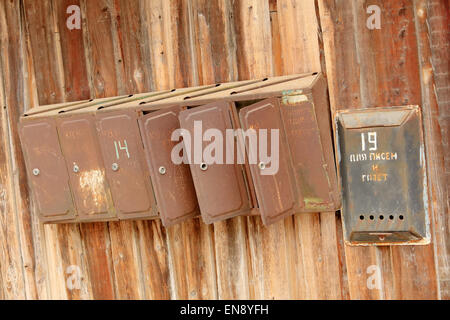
column 262, row 165
column 76, row 169
column 115, row 167
column 162, row 170
column 36, row 171
column 203, row 166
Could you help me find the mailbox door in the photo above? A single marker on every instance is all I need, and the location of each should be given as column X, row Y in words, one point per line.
column 310, row 168
column 274, row 187
column 126, row 170
column 85, row 166
column 47, row 170
column 383, row 172
column 221, row 187
column 174, row 188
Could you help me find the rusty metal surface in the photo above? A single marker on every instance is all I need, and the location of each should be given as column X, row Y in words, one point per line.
column 382, row 167
column 125, row 166
column 276, row 194
column 303, row 135
column 173, row 185
column 80, row 148
column 221, row 188
column 47, row 170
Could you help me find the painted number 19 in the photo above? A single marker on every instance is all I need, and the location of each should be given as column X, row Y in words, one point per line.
column 371, row 139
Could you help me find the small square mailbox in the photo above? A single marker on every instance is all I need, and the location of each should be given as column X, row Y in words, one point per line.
column 383, row 174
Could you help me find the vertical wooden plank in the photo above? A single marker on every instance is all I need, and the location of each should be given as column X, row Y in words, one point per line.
column 157, row 28
column 276, row 38
column 253, row 38
column 76, row 84
column 155, row 262
column 384, row 64
column 336, row 18
column 270, row 250
column 126, row 260
column 15, row 68
column 217, row 62
column 102, row 67
column 318, row 256
column 299, row 36
column 42, row 26
column 214, row 41
column 433, row 28
column 11, row 266
column 190, row 244
column 105, row 69
column 40, row 20
column 97, row 249
column 316, row 232
column 131, row 44
column 95, row 268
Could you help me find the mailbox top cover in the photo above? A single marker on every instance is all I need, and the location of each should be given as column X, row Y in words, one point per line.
column 383, row 175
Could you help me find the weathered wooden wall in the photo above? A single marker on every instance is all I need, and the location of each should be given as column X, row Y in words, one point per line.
column 130, row 46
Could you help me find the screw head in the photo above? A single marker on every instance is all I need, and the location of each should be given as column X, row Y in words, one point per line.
column 203, row 166
column 36, row 171
column 115, row 166
column 76, row 169
column 162, row 170
column 262, row 165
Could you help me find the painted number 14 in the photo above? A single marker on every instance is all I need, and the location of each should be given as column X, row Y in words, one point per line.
column 371, row 140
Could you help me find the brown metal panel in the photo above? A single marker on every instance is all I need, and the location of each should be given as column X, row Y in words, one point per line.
column 85, row 166
column 47, row 170
column 173, row 185
column 126, row 170
column 275, row 191
column 221, row 188
column 308, row 155
column 383, row 171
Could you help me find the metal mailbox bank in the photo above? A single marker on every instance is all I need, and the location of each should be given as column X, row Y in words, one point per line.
column 112, row 158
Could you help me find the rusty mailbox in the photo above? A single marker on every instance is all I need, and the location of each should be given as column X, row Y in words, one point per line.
column 81, row 150
column 173, row 185
column 221, row 187
column 125, row 166
column 47, row 170
column 269, row 160
column 383, row 174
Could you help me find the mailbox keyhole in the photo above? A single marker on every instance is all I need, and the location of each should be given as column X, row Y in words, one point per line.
column 203, row 166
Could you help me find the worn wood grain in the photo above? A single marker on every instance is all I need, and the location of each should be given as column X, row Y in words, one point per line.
column 76, row 84
column 214, row 41
column 98, row 30
column 386, row 66
column 15, row 68
column 433, row 30
column 138, row 46
column 299, row 36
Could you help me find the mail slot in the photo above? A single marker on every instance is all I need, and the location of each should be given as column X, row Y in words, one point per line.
column 47, row 170
column 383, row 173
column 221, row 184
column 173, row 185
column 269, row 160
column 125, row 165
column 88, row 183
